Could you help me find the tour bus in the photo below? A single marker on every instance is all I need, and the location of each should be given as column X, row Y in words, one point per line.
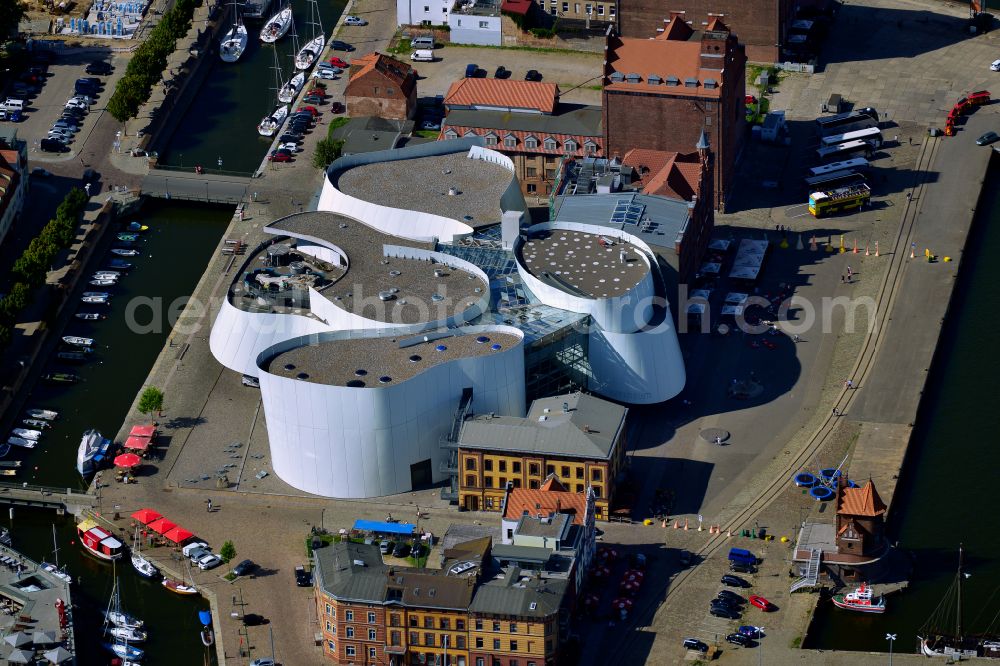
column 856, row 164
column 833, row 180
column 871, row 135
column 844, row 150
column 840, row 199
column 827, row 123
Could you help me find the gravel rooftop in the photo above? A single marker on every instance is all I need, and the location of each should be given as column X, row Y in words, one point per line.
column 580, row 260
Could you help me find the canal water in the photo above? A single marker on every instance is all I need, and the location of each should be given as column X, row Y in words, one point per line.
column 175, row 251
column 948, row 491
column 221, row 123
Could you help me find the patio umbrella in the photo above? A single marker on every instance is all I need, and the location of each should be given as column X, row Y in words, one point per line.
column 17, row 639
column 137, row 443
column 17, row 656
column 146, row 516
column 128, row 460
column 146, row 431
column 43, row 637
column 59, row 655
column 178, row 534
column 162, row 525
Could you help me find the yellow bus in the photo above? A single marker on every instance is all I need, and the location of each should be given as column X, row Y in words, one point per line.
column 840, row 199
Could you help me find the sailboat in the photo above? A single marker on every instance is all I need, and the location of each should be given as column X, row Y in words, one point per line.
column 312, row 50
column 180, row 587
column 277, row 26
column 939, row 640
column 54, row 568
column 270, row 125
column 235, row 41
column 120, row 636
column 288, row 91
column 144, row 567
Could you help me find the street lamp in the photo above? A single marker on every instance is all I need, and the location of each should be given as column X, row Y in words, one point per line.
column 890, row 638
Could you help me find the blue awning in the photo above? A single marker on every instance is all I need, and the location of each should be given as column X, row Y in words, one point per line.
column 384, row 528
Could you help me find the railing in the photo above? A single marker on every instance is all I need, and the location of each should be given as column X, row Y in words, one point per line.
column 811, row 576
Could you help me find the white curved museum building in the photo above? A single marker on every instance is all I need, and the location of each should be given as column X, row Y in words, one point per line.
column 417, row 289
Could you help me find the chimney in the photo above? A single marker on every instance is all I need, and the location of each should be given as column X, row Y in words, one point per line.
column 713, row 50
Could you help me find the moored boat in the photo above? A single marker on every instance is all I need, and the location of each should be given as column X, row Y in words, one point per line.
column 178, row 587
column 127, row 236
column 98, row 542
column 22, row 442
column 277, row 26
column 45, row 414
column 206, row 633
column 122, row 619
column 125, row 252
column 124, row 650
column 78, row 341
column 38, row 424
column 60, row 378
column 72, row 356
column 92, row 452
column 234, row 42
column 307, row 56
column 90, row 316
column 135, row 226
column 269, row 126
column 106, row 274
column 33, row 435
column 95, row 297
column 56, row 571
column 143, row 567
column 126, row 634
column 288, row 91
column 943, row 635
column 103, row 282
column 860, row 600
column 119, row 263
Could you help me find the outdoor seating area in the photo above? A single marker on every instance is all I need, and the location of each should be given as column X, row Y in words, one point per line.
column 157, row 530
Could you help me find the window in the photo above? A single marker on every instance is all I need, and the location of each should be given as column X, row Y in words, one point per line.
column 516, row 482
column 550, row 174
column 373, row 653
column 513, row 629
column 565, row 7
column 414, row 621
column 550, row 144
column 376, row 90
column 459, row 23
column 579, row 487
column 479, row 641
column 576, row 7
column 565, row 471
column 491, row 141
column 394, row 638
column 372, row 635
column 496, row 643
column 394, row 620
column 530, row 172
column 488, row 464
column 550, row 469
column 428, row 622
column 328, row 609
column 570, row 146
column 414, row 638
column 512, row 662
column 708, row 120
column 460, row 625
column 503, row 466
column 503, row 482
column 349, row 616
column 533, row 485
column 531, row 143
column 445, row 623
column 429, row 639
column 488, row 483
column 597, row 491
column 460, row 642
column 350, row 632
column 531, row 188
column 479, row 625
column 329, row 627
column 480, row 661
column 496, row 626
column 579, row 472
column 371, row 617
column 595, row 473
column 451, row 134
column 510, row 141
column 390, row 91
column 484, row 25
column 350, row 651
column 331, row 646
column 589, row 8
column 470, row 480
column 426, row 9
column 444, row 10
column 600, row 10
column 470, row 464
column 533, row 469
column 611, row 11
column 515, row 467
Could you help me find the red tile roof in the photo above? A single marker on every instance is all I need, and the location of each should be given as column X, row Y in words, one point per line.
column 560, row 149
column 398, row 72
column 716, row 25
column 662, row 57
column 675, row 175
column 677, row 29
column 521, row 7
column 503, row 94
column 863, row 501
column 551, row 498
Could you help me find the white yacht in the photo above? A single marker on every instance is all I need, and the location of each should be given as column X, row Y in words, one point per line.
column 234, row 43
column 277, row 26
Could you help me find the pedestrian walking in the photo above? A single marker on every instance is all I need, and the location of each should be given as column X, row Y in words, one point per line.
column 843, row 278
column 909, row 196
column 210, row 506
column 86, row 188
column 796, row 338
column 836, row 412
column 849, row 384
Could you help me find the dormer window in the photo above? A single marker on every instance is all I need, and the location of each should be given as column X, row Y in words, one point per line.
column 617, row 77
column 531, row 142
column 468, row 133
column 653, row 80
column 673, row 81
column 589, row 146
column 632, row 77
column 510, row 141
column 451, row 134
column 570, row 146
column 551, row 144
column 690, row 82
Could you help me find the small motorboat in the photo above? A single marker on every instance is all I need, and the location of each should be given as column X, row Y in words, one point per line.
column 276, row 26
column 178, row 587
column 125, row 252
column 44, row 414
column 126, row 634
column 307, row 56
column 125, row 620
column 124, row 651
column 106, row 275
column 104, row 282
column 92, row 452
column 22, row 442
column 135, row 226
column 78, row 341
column 61, row 378
column 120, row 263
column 95, row 297
column 56, row 571
column 129, row 237
column 38, row 424
column 72, row 356
column 90, row 316
column 33, row 435
column 288, row 91
column 860, row 600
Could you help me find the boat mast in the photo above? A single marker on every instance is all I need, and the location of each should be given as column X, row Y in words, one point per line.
column 55, row 546
column 958, row 616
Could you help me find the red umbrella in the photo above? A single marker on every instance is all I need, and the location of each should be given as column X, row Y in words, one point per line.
column 146, row 431
column 137, row 443
column 162, row 525
column 128, row 460
column 178, row 534
column 146, row 516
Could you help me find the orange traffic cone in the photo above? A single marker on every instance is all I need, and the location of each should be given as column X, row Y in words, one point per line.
column 912, row 256
column 876, row 248
column 677, row 524
column 664, row 525
column 855, row 246
column 867, row 246
column 685, row 524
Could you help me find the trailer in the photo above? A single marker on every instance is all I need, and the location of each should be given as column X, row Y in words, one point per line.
column 870, row 135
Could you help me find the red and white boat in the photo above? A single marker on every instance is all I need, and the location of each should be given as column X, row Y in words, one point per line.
column 99, row 542
column 860, row 600
column 178, row 587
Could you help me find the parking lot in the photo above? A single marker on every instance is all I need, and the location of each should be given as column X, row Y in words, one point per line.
column 567, row 70
column 46, row 106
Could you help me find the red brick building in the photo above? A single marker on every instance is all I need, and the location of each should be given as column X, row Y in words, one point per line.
column 761, row 24
column 381, row 86
column 675, row 91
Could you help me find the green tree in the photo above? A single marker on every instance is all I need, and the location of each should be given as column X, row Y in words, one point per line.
column 227, row 552
column 11, row 13
column 151, row 401
column 29, row 268
column 327, row 150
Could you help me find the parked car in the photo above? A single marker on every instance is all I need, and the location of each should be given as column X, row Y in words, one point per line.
column 99, row 67
column 59, row 135
column 739, row 639
column 732, row 596
column 209, row 561
column 337, row 45
column 291, row 147
column 311, row 110
column 251, row 381
column 995, row 66
column 695, row 644
column 470, row 70
column 354, row 20
column 312, row 99
column 326, row 74
column 533, row 75
column 987, row 139
column 760, row 602
column 302, row 577
column 280, row 155
column 290, row 137
column 76, row 104
column 337, row 62
column 501, row 73
column 385, row 547
column 749, row 631
column 186, row 550
column 401, row 550
column 40, row 172
column 244, row 567
column 742, row 567
column 263, row 661
column 734, row 581
column 724, row 603
column 722, row 611
column 430, row 125
column 197, row 553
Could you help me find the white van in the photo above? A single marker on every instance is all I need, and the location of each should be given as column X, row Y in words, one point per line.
column 422, row 43
column 11, row 104
column 422, row 55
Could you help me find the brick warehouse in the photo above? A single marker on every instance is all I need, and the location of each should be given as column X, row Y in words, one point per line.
column 662, row 93
column 761, row 24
